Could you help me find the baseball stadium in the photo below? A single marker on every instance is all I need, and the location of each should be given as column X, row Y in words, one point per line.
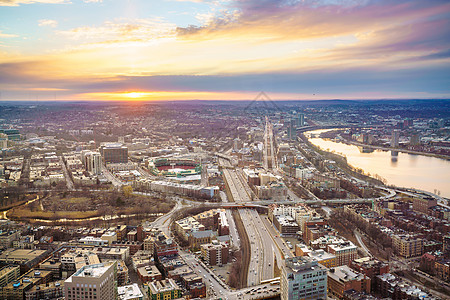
column 174, row 167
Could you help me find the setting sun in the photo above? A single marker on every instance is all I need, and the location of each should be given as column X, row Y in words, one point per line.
column 134, row 95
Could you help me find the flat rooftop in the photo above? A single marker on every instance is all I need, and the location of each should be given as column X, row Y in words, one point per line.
column 129, row 292
column 95, row 271
column 21, row 254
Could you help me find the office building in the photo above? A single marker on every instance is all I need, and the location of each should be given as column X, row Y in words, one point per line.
column 302, row 250
column 9, row 274
column 110, row 237
column 114, row 153
column 286, row 225
column 93, row 241
column 215, row 253
column 92, row 282
column 93, row 162
column 301, row 120
column 314, row 229
column 395, row 138
column 53, row 265
column 345, row 252
column 26, row 258
column 415, row 139
column 341, row 279
column 51, row 290
column 324, row 258
column 7, row 238
column 149, row 243
column 16, row 290
column 407, row 246
column 303, row 278
column 12, row 134
column 292, row 130
column 187, row 225
column 196, row 290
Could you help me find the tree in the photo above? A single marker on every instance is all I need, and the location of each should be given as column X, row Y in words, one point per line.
column 127, row 191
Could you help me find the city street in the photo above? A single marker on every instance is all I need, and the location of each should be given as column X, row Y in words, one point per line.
column 69, row 182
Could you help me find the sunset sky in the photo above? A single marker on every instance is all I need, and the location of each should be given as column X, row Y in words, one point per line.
column 200, row 49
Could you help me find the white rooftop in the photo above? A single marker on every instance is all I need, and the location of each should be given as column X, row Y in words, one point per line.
column 95, row 271
column 129, row 292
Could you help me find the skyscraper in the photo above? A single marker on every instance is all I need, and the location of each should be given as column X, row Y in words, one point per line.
column 292, row 130
column 93, row 162
column 395, row 138
column 301, row 120
column 303, row 278
column 92, row 282
column 415, row 139
column 114, row 153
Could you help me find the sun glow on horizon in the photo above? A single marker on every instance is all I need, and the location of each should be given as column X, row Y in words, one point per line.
column 134, row 95
column 177, row 95
column 139, row 51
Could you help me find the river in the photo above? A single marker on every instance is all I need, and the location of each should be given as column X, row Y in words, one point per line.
column 400, row 169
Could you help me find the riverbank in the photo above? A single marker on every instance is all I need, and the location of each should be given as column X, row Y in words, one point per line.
column 399, row 169
column 341, row 161
column 440, row 156
column 89, row 220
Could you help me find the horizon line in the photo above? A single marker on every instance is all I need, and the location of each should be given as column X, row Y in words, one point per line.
column 228, row 100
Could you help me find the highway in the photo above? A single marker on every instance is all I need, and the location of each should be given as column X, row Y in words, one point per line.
column 216, row 287
column 275, row 236
column 234, row 235
column 263, row 249
column 211, row 280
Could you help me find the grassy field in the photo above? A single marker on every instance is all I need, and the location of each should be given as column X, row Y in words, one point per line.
column 85, row 205
column 25, row 213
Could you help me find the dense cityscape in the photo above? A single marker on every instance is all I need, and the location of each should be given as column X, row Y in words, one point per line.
column 222, row 200
column 224, row 149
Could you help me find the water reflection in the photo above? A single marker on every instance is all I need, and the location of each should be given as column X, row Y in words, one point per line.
column 365, row 149
column 401, row 169
column 394, row 157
